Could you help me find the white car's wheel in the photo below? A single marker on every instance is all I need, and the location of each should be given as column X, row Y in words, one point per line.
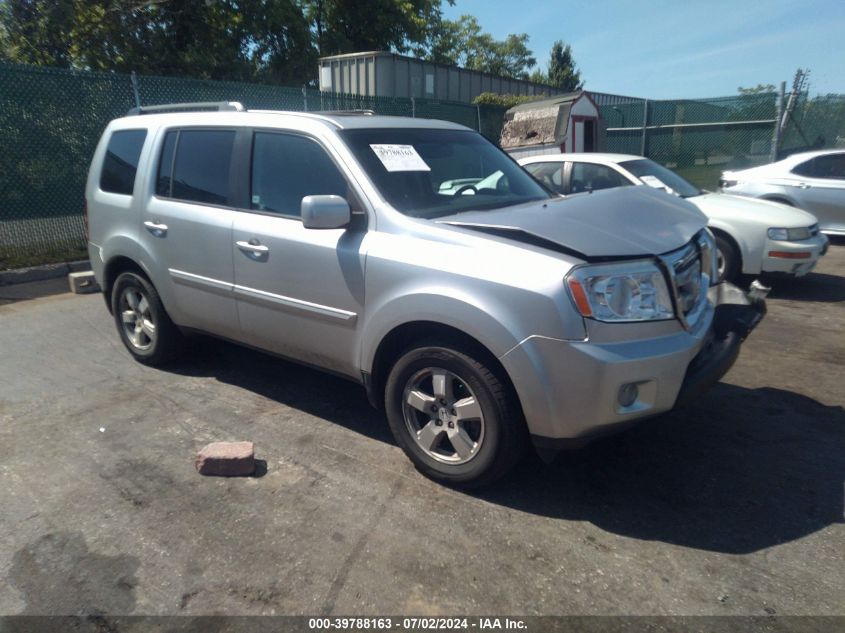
column 728, row 260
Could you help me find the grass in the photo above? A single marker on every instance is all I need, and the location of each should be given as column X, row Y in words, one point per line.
column 702, row 176
column 10, row 259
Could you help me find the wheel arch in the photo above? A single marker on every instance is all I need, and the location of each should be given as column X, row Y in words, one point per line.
column 114, row 267
column 740, row 247
column 407, row 335
column 779, row 198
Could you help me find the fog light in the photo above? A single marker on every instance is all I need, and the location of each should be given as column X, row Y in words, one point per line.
column 628, row 394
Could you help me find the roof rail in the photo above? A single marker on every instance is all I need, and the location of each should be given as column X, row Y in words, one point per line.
column 364, row 111
column 208, row 106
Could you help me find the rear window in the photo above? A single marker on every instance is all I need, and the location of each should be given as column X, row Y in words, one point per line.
column 830, row 166
column 195, row 166
column 121, row 162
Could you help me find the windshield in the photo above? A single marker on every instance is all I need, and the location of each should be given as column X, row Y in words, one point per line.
column 428, row 173
column 659, row 177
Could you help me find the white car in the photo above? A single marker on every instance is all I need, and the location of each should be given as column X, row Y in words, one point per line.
column 813, row 181
column 753, row 236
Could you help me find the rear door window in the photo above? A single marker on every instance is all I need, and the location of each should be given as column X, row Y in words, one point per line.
column 201, row 161
column 550, row 174
column 592, row 177
column 165, row 165
column 121, row 162
column 804, row 169
column 830, row 166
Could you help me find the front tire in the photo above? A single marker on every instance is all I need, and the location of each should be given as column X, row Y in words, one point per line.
column 453, row 416
column 728, row 259
column 142, row 322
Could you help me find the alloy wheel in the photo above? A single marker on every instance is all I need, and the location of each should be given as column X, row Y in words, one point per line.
column 443, row 415
column 137, row 320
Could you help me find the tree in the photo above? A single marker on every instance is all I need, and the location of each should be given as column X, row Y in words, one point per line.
column 504, row 100
column 351, row 26
column 222, row 39
column 563, row 73
column 462, row 43
column 266, row 40
column 36, row 32
column 538, row 76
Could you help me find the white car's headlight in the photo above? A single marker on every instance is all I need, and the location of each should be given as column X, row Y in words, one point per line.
column 790, row 235
column 633, row 291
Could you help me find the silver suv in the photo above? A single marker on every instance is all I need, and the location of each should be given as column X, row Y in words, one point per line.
column 482, row 317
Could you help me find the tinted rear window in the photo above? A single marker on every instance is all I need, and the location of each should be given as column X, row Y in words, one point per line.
column 200, row 167
column 804, row 169
column 121, row 162
column 165, row 166
column 830, row 166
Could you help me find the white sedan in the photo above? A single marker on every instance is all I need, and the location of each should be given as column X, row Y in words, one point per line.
column 813, row 181
column 753, row 236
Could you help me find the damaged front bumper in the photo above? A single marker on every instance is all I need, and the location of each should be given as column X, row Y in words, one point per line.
column 737, row 313
column 571, row 391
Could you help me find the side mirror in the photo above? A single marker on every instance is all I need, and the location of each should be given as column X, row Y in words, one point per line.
column 325, row 212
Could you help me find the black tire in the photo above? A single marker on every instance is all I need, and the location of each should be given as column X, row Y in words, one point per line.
column 727, row 252
column 504, row 436
column 166, row 339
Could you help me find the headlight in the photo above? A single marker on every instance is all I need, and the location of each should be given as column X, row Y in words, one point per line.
column 709, row 255
column 790, row 235
column 633, row 291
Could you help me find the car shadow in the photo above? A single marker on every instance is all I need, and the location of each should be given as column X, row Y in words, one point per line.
column 819, row 287
column 299, row 387
column 742, row 470
column 739, row 471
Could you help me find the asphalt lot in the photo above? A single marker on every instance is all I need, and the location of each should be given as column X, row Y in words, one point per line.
column 731, row 506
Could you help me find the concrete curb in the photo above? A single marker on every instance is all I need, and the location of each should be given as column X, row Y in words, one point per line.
column 40, row 273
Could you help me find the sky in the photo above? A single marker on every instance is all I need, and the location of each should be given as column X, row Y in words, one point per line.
column 667, row 49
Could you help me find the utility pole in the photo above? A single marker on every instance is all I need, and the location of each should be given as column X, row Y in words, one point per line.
column 773, row 154
column 645, row 127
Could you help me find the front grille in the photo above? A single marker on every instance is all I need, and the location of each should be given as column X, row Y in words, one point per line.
column 689, row 273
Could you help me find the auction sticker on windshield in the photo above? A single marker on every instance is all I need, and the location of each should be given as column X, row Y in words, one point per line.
column 399, row 158
column 654, row 181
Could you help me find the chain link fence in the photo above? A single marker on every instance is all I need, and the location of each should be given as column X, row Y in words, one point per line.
column 51, row 120
column 700, row 138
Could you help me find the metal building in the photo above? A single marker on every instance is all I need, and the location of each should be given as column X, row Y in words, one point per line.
column 379, row 74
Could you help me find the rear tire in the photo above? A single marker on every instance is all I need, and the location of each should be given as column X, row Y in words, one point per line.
column 728, row 259
column 142, row 322
column 453, row 416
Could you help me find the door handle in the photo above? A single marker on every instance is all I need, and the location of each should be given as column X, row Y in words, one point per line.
column 254, row 248
column 803, row 185
column 156, row 228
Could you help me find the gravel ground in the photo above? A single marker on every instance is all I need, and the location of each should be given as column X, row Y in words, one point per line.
column 731, row 506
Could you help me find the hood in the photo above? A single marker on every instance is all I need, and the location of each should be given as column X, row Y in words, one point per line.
column 726, row 207
column 612, row 223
